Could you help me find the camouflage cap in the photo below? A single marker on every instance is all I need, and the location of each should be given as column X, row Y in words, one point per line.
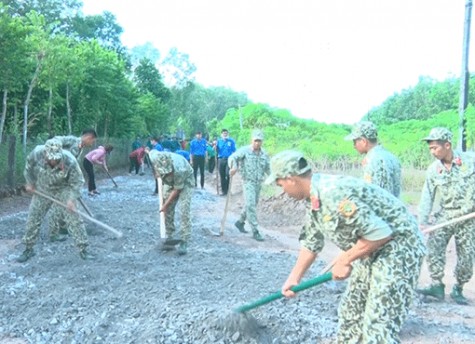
column 53, row 149
column 439, row 134
column 257, row 135
column 162, row 161
column 364, row 129
column 286, row 164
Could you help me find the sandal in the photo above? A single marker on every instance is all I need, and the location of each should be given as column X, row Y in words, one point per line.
column 95, row 192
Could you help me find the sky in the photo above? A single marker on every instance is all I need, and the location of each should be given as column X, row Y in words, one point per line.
column 331, row 61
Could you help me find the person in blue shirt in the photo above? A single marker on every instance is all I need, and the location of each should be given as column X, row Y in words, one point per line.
column 155, row 141
column 225, row 147
column 184, row 154
column 198, row 157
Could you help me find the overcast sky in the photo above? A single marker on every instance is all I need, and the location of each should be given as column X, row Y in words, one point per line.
column 327, row 60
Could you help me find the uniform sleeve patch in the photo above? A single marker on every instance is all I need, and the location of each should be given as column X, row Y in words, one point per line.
column 347, row 208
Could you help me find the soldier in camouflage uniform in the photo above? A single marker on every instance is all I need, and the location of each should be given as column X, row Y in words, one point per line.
column 178, row 181
column 452, row 177
column 74, row 145
column 54, row 171
column 383, row 247
column 380, row 167
column 253, row 163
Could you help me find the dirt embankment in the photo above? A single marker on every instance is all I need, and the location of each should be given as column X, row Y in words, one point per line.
column 134, row 293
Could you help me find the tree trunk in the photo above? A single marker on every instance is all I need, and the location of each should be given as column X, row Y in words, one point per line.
column 4, row 113
column 68, row 109
column 28, row 99
column 50, row 111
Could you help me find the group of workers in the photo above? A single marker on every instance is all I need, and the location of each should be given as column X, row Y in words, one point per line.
column 382, row 243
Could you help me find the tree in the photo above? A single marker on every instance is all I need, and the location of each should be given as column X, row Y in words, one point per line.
column 14, row 68
column 148, row 79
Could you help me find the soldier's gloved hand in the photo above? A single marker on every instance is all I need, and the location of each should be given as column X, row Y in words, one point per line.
column 29, row 188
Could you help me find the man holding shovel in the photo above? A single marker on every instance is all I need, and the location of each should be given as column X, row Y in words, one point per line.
column 54, row 171
column 178, row 180
column 75, row 146
column 452, row 176
column 381, row 242
column 253, row 163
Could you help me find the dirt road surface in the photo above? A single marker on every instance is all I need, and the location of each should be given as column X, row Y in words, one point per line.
column 134, row 293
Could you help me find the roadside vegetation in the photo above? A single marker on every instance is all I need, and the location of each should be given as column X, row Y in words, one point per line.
column 63, row 71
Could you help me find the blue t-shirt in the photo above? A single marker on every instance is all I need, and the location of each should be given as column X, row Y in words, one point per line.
column 226, row 147
column 183, row 153
column 158, row 147
column 198, row 147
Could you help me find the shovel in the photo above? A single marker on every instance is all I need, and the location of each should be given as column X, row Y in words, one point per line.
column 87, row 217
column 243, row 322
column 275, row 296
column 113, row 181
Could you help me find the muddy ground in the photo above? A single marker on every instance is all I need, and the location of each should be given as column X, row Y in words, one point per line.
column 134, row 293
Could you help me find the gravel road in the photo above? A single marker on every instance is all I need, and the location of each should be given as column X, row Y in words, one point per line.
column 134, row 293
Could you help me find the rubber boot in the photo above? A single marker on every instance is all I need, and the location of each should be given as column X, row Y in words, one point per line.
column 240, row 225
column 182, row 249
column 435, row 290
column 84, row 254
column 457, row 295
column 257, row 236
column 27, row 254
column 56, row 237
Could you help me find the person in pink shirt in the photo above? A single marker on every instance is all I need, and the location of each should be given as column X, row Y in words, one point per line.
column 98, row 157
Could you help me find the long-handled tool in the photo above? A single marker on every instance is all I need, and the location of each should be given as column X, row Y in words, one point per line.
column 113, row 181
column 245, row 323
column 86, row 208
column 163, row 231
column 87, row 217
column 448, row 223
column 228, row 197
column 275, row 296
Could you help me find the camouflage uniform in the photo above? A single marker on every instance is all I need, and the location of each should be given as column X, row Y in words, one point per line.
column 254, row 167
column 456, row 189
column 71, row 144
column 380, row 167
column 381, row 287
column 62, row 182
column 177, row 174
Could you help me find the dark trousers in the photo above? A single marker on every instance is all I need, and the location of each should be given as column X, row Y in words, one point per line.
column 224, row 174
column 211, row 164
column 199, row 162
column 89, row 168
column 134, row 164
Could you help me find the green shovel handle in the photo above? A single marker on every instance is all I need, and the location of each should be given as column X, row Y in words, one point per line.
column 272, row 297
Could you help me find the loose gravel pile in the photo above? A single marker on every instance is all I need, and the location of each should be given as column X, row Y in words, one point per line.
column 134, row 293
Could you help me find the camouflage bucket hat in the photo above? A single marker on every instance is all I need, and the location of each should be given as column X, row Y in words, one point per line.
column 364, row 129
column 162, row 162
column 439, row 134
column 257, row 135
column 286, row 164
column 53, row 149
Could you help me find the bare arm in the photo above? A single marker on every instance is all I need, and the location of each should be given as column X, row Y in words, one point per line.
column 304, row 261
column 342, row 267
column 173, row 195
